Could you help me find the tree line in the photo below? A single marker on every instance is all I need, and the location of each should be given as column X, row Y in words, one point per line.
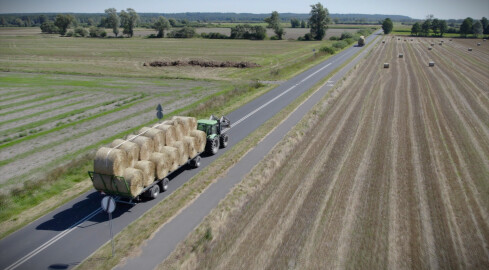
column 128, row 19
column 440, row 27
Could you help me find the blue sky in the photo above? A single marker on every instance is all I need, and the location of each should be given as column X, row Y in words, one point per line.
column 443, row 9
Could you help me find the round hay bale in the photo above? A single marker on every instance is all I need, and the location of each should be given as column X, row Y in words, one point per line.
column 158, row 137
column 133, row 181
column 201, row 139
column 110, row 161
column 386, row 65
column 401, row 55
column 169, row 131
column 478, row 44
column 179, row 131
column 432, row 44
column 182, row 152
column 431, row 64
column 430, row 48
column 173, row 155
column 161, row 164
column 132, row 150
column 190, row 144
column 184, row 122
column 470, row 49
column 102, row 182
column 146, row 146
column 148, row 169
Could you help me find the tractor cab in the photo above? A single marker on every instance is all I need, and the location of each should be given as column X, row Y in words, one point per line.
column 213, row 128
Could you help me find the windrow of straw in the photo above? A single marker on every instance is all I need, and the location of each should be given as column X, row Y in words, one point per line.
column 131, row 149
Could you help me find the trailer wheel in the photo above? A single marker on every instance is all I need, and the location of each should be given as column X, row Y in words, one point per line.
column 195, row 162
column 224, row 140
column 164, row 184
column 155, row 190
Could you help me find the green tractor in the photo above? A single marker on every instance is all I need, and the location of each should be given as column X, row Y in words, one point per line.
column 214, row 129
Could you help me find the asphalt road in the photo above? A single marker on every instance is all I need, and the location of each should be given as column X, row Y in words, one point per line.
column 66, row 236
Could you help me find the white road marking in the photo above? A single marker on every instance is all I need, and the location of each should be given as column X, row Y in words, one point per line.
column 52, row 241
column 275, row 98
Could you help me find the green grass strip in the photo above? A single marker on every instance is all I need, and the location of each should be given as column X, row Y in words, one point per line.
column 58, row 117
column 41, row 112
column 42, row 104
column 27, row 101
column 30, row 137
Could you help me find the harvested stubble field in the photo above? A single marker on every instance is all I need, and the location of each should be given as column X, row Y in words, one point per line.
column 390, row 171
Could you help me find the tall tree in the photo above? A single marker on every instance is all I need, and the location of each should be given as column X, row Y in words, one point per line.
column 303, row 24
column 274, row 23
column 387, row 26
column 443, row 27
column 161, row 25
column 129, row 19
column 63, row 21
column 477, row 28
column 485, row 25
column 112, row 20
column 416, row 29
column 425, row 27
column 319, row 21
column 295, row 23
column 466, row 27
column 435, row 25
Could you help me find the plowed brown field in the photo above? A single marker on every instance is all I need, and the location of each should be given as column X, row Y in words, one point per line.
column 395, row 174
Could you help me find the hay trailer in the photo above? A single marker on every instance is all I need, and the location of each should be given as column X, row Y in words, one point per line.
column 123, row 189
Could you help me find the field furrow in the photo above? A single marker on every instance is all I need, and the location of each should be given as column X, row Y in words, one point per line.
column 394, row 175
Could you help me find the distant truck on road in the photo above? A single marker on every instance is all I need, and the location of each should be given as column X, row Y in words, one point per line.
column 361, row 41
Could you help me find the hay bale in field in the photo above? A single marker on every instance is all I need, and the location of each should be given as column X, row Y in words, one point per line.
column 157, row 135
column 110, row 161
column 201, row 139
column 182, row 152
column 398, row 39
column 386, row 65
column 470, row 49
column 431, row 64
column 131, row 149
column 401, row 55
column 146, row 146
column 190, row 143
column 440, row 43
column 430, row 48
column 162, row 165
column 133, row 182
column 432, row 44
column 148, row 169
column 383, row 41
column 478, row 44
column 174, row 157
column 169, row 131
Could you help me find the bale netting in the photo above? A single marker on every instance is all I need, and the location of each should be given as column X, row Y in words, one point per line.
column 146, row 146
column 173, row 157
column 131, row 149
column 133, row 183
column 190, row 145
column 162, row 165
column 148, row 169
column 182, row 152
column 157, row 135
column 169, row 131
column 110, row 161
column 201, row 139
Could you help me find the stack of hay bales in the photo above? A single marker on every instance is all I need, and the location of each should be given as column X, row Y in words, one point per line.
column 150, row 155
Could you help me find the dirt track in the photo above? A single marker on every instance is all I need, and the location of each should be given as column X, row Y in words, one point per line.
column 395, row 174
